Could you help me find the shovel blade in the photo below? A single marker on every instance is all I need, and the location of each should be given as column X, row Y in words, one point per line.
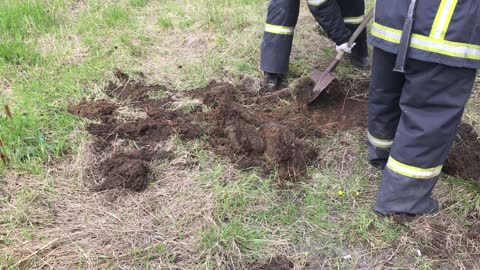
column 322, row 80
column 316, row 75
column 321, row 85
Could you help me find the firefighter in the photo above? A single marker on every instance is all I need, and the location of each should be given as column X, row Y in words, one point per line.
column 413, row 117
column 338, row 18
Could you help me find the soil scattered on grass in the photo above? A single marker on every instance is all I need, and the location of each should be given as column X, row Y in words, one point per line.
column 127, row 89
column 100, row 109
column 276, row 263
column 273, row 131
column 464, row 158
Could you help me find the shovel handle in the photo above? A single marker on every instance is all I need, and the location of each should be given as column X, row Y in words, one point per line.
column 357, row 32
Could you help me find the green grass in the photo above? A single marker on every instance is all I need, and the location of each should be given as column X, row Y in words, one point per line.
column 58, row 51
column 138, row 3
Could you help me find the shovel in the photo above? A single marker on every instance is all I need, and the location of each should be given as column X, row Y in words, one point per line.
column 322, row 80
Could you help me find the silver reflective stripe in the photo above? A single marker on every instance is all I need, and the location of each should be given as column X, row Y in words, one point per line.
column 411, row 171
column 353, row 20
column 445, row 48
column 278, row 29
column 316, row 2
column 385, row 34
column 378, row 142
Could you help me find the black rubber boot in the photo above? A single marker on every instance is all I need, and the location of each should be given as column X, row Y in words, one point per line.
column 403, row 218
column 271, row 82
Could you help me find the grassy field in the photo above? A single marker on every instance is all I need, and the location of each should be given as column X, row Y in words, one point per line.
column 201, row 213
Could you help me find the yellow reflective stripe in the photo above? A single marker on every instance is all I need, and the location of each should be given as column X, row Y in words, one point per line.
column 379, row 142
column 354, row 20
column 411, row 171
column 278, row 29
column 443, row 18
column 316, row 2
column 445, row 47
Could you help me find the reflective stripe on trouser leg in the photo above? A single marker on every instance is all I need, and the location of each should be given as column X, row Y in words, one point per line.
column 432, row 104
column 383, row 109
column 378, row 151
column 277, row 41
column 316, row 3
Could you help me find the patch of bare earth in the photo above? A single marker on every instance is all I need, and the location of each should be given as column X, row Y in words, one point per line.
column 273, row 132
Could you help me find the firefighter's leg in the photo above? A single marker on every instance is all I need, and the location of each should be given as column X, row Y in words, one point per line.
column 353, row 12
column 383, row 107
column 432, row 104
column 278, row 36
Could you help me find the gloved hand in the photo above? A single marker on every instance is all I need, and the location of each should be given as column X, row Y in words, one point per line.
column 344, row 47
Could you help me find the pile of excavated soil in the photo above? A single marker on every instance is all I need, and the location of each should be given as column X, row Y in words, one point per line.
column 464, row 158
column 274, row 132
column 108, row 166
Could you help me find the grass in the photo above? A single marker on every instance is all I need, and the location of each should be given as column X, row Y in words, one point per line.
column 202, row 213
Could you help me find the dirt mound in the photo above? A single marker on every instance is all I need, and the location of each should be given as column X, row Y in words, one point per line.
column 276, row 263
column 124, row 170
column 273, row 132
column 119, row 165
column 100, row 109
column 464, row 158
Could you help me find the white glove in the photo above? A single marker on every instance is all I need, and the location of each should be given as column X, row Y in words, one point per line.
column 344, row 47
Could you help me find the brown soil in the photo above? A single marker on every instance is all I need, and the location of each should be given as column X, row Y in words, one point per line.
column 131, row 90
column 101, row 109
column 272, row 131
column 464, row 158
column 122, row 167
column 276, row 263
column 303, row 90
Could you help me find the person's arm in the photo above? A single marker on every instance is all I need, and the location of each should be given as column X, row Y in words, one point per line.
column 328, row 15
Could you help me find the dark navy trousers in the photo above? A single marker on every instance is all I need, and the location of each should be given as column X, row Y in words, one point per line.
column 413, row 119
column 338, row 18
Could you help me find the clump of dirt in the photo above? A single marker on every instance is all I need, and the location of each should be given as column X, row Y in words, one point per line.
column 303, row 90
column 464, row 157
column 270, row 131
column 124, row 170
column 276, row 263
column 286, row 153
column 114, row 165
column 100, row 109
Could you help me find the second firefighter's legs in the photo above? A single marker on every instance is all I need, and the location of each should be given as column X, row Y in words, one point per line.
column 432, row 102
column 353, row 12
column 278, row 37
